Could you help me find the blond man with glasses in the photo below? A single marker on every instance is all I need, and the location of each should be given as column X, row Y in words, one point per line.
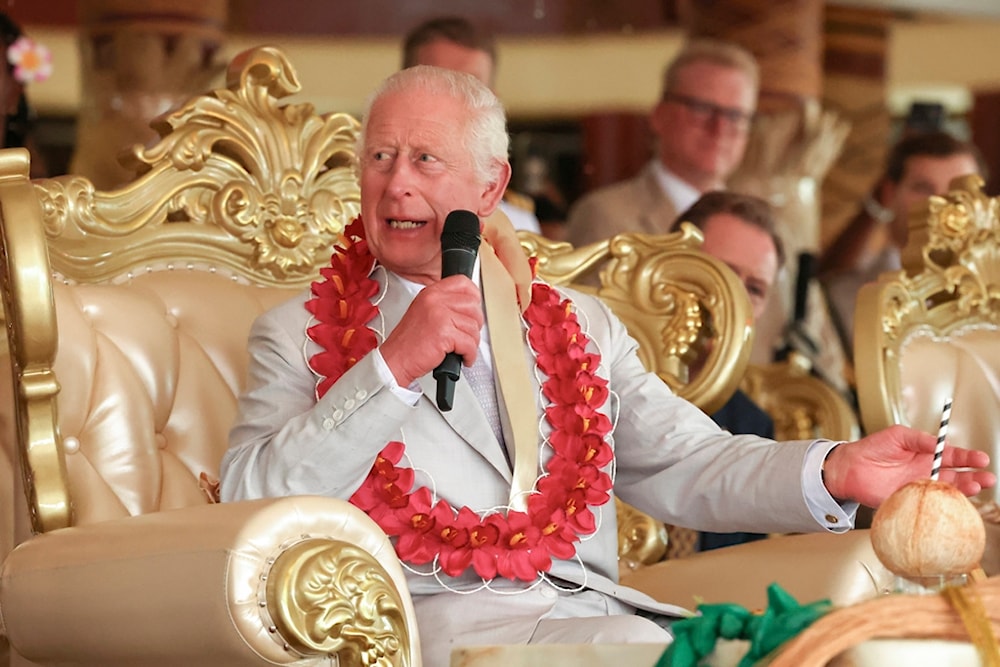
column 701, row 123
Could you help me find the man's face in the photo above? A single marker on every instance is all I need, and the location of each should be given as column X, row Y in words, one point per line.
column 923, row 176
column 748, row 250
column 449, row 55
column 415, row 170
column 702, row 124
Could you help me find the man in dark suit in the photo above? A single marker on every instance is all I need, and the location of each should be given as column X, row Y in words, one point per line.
column 740, row 231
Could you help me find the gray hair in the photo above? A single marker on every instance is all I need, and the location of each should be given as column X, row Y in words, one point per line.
column 485, row 135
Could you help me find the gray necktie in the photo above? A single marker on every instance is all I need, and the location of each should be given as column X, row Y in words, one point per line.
column 480, row 378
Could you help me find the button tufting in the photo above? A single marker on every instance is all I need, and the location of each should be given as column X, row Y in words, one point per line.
column 71, row 445
column 171, row 320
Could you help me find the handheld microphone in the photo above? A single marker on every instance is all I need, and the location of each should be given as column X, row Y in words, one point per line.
column 459, row 246
column 807, row 260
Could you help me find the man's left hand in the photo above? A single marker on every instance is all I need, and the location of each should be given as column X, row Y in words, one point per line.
column 869, row 470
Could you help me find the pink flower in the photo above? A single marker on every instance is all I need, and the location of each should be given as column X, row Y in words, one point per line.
column 31, row 61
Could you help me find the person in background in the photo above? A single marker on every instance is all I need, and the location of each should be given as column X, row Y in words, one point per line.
column 740, row 231
column 920, row 165
column 455, row 43
column 27, row 62
column 701, row 123
column 502, row 508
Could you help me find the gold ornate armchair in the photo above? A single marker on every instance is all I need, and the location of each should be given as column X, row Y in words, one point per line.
column 128, row 313
column 688, row 312
column 931, row 331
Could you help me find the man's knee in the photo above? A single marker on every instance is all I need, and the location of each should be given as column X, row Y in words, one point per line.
column 617, row 629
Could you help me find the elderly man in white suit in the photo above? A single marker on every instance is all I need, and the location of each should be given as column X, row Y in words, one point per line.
column 512, row 541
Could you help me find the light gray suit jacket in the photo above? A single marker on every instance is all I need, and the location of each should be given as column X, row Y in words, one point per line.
column 637, row 204
column 671, row 460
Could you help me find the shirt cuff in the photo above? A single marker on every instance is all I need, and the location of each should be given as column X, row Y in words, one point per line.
column 408, row 395
column 835, row 517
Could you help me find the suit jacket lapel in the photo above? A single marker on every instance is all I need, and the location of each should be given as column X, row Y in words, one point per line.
column 658, row 212
column 466, row 418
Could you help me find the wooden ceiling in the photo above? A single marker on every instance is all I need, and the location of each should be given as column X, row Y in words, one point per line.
column 378, row 18
column 394, row 17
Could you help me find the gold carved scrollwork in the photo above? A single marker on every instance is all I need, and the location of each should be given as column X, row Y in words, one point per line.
column 688, row 311
column 238, row 180
column 802, row 406
column 330, row 597
column 954, row 252
column 642, row 540
column 949, row 284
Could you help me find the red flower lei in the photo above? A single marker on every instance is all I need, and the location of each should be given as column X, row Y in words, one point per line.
column 518, row 545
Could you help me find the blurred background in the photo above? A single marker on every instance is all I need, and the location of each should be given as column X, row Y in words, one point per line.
column 578, row 76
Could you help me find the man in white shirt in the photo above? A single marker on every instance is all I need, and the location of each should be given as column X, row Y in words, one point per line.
column 513, row 541
column 701, row 123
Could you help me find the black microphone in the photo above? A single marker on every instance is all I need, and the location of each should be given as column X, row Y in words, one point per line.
column 459, row 246
column 802, row 281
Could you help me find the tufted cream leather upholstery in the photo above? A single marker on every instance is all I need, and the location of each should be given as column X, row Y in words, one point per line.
column 167, row 349
column 128, row 314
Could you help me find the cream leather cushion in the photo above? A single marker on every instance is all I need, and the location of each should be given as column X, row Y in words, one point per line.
column 167, row 350
column 965, row 367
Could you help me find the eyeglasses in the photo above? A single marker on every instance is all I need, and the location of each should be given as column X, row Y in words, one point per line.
column 705, row 111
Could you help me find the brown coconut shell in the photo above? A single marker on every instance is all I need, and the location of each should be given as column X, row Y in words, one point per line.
column 928, row 528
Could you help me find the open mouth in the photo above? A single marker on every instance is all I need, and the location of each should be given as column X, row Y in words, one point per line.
column 405, row 224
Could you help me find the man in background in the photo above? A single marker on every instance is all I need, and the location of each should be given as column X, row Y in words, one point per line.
column 454, row 43
column 919, row 166
column 740, row 231
column 701, row 124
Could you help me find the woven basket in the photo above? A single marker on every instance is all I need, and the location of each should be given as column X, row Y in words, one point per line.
column 968, row 613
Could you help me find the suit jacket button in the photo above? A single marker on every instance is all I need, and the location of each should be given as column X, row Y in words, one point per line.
column 328, row 424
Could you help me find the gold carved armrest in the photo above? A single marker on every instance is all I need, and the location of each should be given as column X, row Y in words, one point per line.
column 293, row 580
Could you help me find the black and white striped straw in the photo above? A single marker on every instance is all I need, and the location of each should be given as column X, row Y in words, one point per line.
column 942, row 433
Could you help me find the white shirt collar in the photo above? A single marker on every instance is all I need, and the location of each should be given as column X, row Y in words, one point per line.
column 677, row 191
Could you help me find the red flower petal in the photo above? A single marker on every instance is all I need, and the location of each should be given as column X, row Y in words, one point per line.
column 520, row 544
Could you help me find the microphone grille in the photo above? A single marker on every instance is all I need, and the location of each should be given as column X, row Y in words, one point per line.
column 461, row 230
